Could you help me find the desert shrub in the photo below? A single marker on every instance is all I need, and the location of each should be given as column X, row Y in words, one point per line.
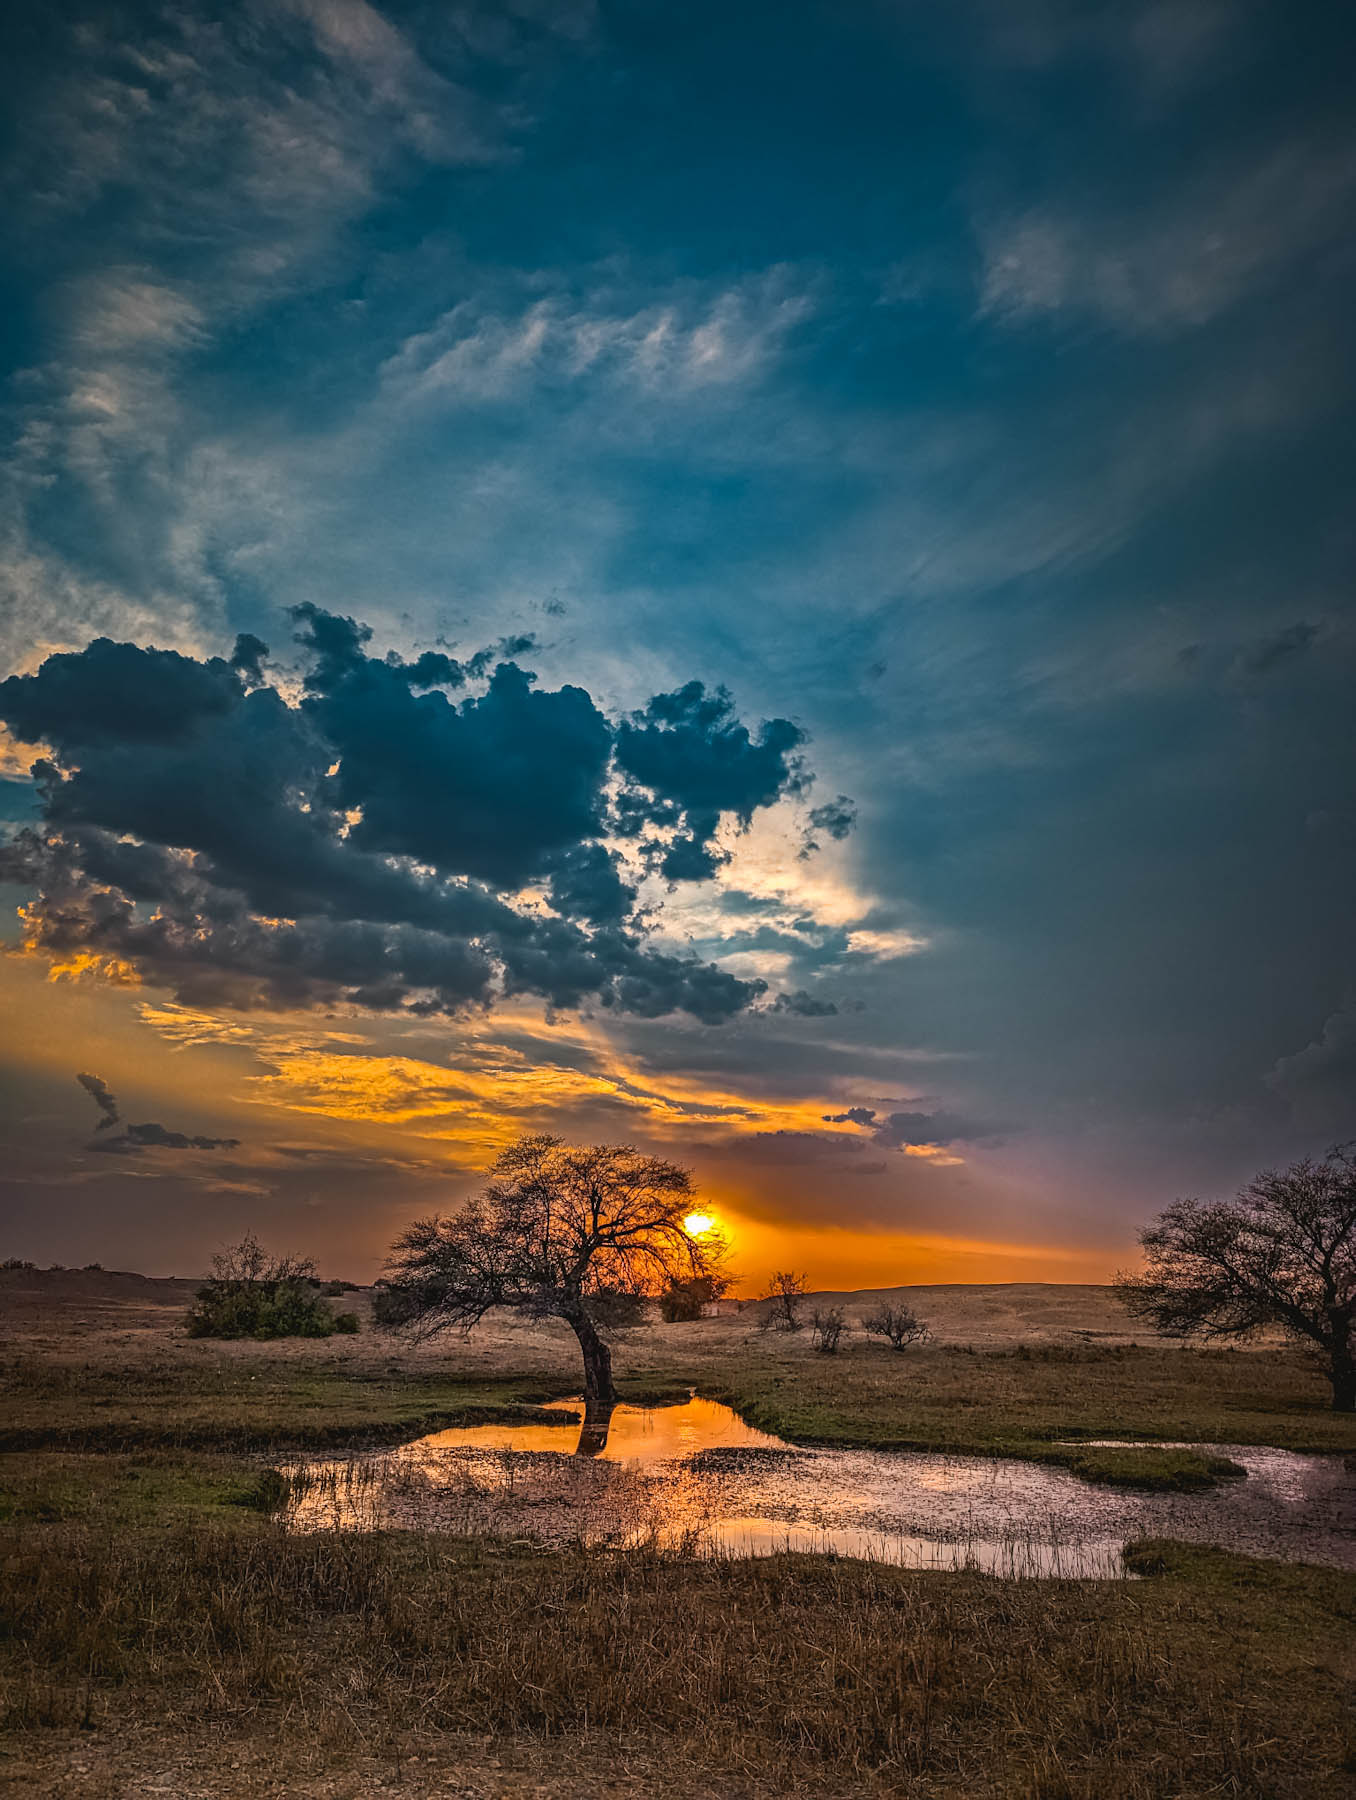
column 684, row 1298
column 17, row 1262
column 332, row 1289
column 346, row 1322
column 899, row 1324
column 826, row 1328
column 782, row 1301
column 253, row 1295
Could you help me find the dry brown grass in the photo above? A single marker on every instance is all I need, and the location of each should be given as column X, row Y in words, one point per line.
column 1218, row 1675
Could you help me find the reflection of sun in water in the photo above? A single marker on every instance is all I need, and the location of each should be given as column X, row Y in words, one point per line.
column 698, row 1224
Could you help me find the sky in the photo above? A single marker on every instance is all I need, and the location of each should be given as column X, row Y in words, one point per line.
column 768, row 582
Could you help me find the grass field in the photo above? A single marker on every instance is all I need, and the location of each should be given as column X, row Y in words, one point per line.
column 162, row 1635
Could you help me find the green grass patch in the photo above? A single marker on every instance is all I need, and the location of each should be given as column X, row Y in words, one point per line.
column 1029, row 1405
column 1153, row 1469
column 135, row 1491
column 249, row 1406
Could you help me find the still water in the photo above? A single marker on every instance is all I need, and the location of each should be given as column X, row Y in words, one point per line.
column 697, row 1477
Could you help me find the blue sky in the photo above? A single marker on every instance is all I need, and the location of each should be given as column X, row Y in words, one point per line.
column 966, row 388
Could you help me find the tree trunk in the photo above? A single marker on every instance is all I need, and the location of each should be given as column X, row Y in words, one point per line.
column 598, row 1389
column 1342, row 1374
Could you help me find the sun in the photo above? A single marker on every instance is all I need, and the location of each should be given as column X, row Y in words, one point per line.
column 698, row 1224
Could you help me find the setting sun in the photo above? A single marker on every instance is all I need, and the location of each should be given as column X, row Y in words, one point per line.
column 698, row 1224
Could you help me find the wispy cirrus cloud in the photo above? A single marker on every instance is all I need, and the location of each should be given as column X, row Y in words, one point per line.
column 701, row 337
column 1176, row 265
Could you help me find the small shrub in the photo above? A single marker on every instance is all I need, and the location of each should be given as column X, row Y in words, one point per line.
column 899, row 1324
column 826, row 1328
column 17, row 1262
column 253, row 1295
column 392, row 1307
column 333, row 1289
column 783, row 1298
column 346, row 1322
column 684, row 1299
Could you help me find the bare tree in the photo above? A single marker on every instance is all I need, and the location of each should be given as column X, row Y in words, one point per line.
column 826, row 1328
column 1282, row 1253
column 580, row 1233
column 900, row 1324
column 785, row 1292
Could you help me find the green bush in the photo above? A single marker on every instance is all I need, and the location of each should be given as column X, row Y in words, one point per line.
column 683, row 1299
column 253, row 1295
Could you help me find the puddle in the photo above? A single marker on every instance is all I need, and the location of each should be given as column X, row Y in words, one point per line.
column 695, row 1476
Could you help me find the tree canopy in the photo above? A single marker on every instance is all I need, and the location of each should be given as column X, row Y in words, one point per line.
column 1282, row 1253
column 583, row 1233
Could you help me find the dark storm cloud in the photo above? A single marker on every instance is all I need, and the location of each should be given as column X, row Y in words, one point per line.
column 136, row 1138
column 804, row 1006
column 364, row 846
column 694, row 761
column 795, row 1149
column 834, row 819
column 111, row 693
column 248, row 657
column 490, row 787
column 586, row 884
column 133, row 1139
column 899, row 1130
column 99, row 1094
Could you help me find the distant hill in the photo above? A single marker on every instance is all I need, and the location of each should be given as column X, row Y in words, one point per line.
column 994, row 1312
column 34, row 1302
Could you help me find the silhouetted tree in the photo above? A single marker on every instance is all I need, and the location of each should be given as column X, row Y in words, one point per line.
column 900, row 1324
column 785, row 1292
column 581, row 1233
column 1282, row 1253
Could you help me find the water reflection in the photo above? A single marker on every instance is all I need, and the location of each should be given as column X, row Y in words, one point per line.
column 695, row 1476
column 620, row 1433
column 594, row 1428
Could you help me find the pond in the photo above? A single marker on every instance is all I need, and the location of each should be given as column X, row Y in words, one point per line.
column 696, row 1477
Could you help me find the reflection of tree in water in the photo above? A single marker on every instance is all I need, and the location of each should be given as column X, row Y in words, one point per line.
column 594, row 1427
